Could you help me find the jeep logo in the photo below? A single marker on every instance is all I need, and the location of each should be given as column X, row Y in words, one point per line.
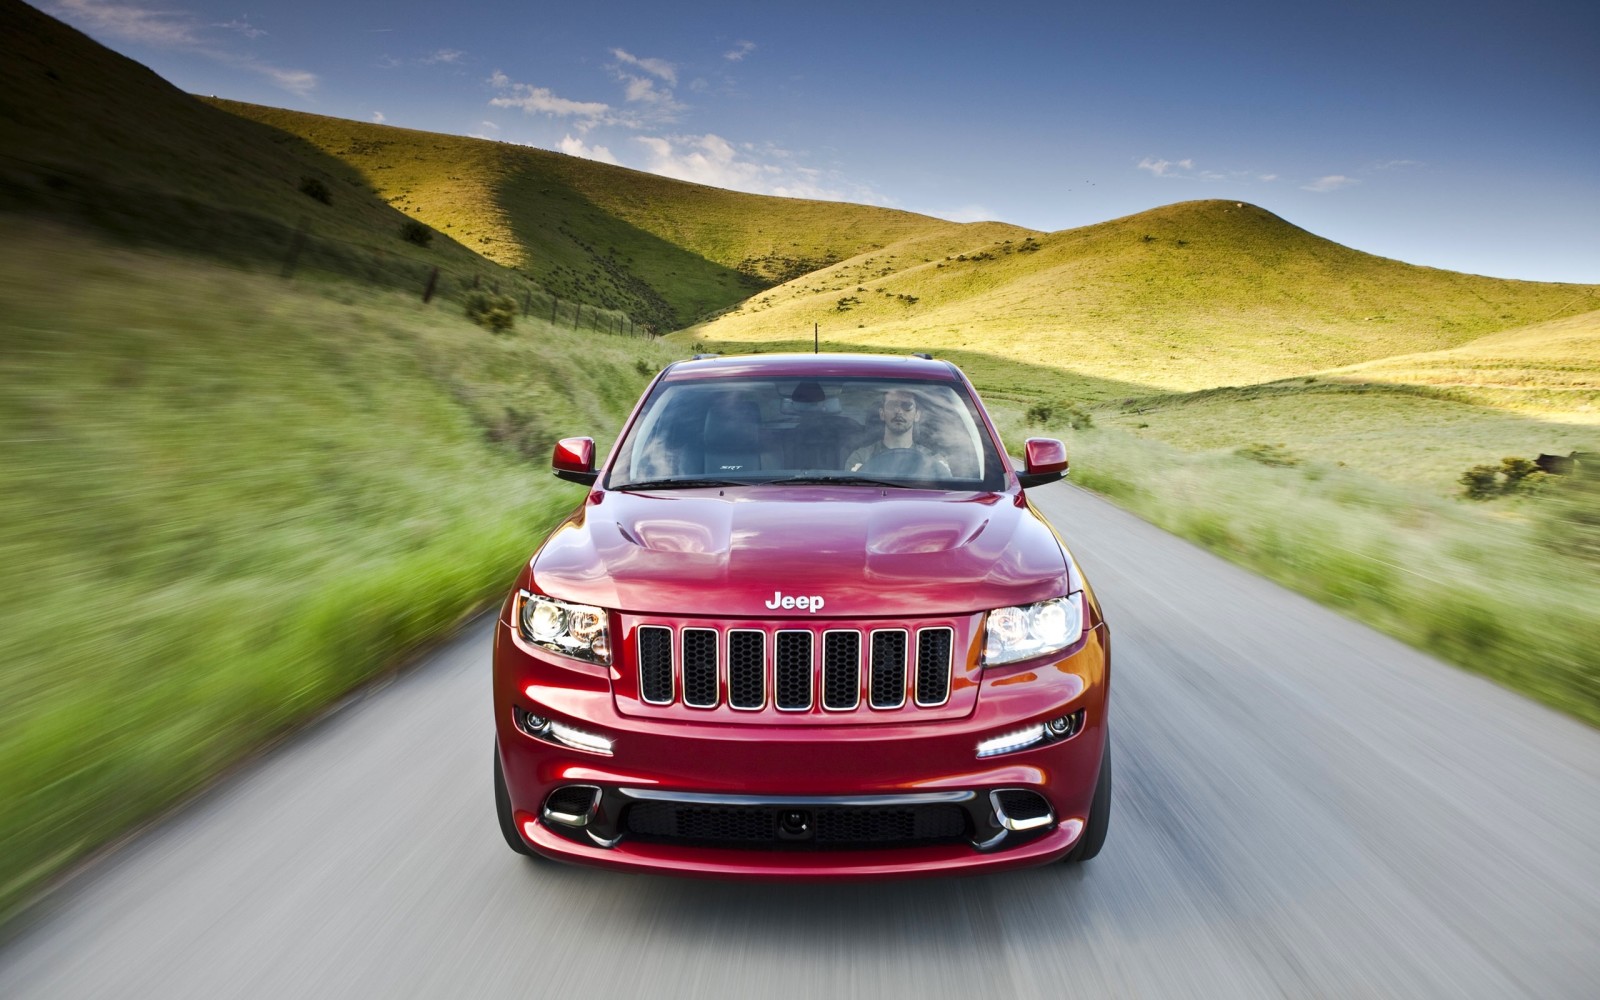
column 813, row 603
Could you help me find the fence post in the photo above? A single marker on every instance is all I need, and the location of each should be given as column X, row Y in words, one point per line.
column 553, row 303
column 433, row 283
column 577, row 317
column 527, row 302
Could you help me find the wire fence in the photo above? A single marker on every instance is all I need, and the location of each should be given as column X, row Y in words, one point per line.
column 255, row 241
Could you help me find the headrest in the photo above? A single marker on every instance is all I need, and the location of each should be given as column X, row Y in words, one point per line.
column 807, row 392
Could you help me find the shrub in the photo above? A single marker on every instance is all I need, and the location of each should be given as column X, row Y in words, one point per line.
column 413, row 231
column 312, row 187
column 1514, row 475
column 643, row 368
column 1481, row 482
column 491, row 310
column 1275, row 455
column 1075, row 416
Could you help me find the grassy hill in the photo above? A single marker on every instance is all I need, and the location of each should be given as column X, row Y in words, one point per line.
column 665, row 251
column 93, row 137
column 1188, row 296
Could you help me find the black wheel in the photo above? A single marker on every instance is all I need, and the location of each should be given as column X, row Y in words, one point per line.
column 1094, row 834
column 502, row 808
column 908, row 462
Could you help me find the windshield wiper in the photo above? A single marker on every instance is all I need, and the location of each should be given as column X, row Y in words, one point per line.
column 829, row 480
column 680, row 484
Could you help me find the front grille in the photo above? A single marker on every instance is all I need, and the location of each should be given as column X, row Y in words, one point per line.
column 832, row 826
column 795, row 670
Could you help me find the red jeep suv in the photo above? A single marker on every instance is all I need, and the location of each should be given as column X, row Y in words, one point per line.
column 805, row 623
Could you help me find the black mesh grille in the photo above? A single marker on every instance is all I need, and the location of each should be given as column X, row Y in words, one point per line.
column 833, row 826
column 747, row 675
column 841, row 669
column 933, row 665
column 655, row 664
column 573, row 800
column 1021, row 804
column 888, row 668
column 706, row 824
column 700, row 667
column 792, row 662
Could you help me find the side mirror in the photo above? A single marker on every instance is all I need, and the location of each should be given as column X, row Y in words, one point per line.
column 574, row 460
column 1045, row 459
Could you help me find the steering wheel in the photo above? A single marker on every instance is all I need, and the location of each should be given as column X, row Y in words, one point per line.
column 907, row 462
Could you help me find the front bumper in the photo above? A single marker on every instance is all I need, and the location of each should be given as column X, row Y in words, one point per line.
column 806, row 769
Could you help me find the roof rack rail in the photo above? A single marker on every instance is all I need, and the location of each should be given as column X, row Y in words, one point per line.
column 702, row 357
column 923, row 355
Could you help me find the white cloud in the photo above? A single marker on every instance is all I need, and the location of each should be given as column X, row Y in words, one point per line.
column 178, row 29
column 577, row 147
column 486, row 123
column 539, row 100
column 242, row 26
column 1396, row 164
column 377, row 118
column 1332, row 182
column 711, row 159
column 442, row 56
column 655, row 67
column 739, row 51
column 1164, row 168
column 1267, row 177
column 166, row 28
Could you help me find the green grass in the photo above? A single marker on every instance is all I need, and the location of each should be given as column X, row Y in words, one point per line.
column 1507, row 589
column 226, row 499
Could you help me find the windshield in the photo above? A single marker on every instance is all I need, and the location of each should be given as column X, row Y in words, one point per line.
column 854, row 431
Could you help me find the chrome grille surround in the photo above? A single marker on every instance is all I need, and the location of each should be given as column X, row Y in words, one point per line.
column 796, row 670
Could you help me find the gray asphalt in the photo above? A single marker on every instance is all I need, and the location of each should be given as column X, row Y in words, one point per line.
column 1303, row 808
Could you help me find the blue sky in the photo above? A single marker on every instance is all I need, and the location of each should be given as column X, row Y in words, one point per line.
column 1461, row 135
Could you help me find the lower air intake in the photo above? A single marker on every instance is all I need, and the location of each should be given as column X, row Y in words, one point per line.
column 835, row 827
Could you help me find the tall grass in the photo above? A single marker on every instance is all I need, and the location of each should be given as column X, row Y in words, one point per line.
column 226, row 499
column 1496, row 588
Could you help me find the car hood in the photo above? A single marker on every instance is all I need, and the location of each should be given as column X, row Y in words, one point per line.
column 865, row 552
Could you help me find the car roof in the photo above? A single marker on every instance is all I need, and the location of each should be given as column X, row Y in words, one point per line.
column 813, row 365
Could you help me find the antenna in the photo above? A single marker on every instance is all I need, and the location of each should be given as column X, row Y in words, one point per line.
column 816, row 338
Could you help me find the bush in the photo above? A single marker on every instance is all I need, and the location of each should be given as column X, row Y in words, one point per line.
column 491, row 310
column 1075, row 416
column 1275, row 455
column 413, row 231
column 311, row 187
column 1513, row 475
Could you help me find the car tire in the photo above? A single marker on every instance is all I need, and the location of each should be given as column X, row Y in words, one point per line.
column 1094, row 833
column 502, row 808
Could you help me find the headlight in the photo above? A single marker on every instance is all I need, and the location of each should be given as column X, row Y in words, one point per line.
column 1013, row 634
column 575, row 630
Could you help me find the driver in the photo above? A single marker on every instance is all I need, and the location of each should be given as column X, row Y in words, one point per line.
column 896, row 451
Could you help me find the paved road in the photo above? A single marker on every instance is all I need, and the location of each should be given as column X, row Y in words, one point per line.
column 1303, row 808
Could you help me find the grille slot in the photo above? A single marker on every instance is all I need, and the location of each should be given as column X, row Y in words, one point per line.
column 933, row 666
column 1021, row 804
column 700, row 667
column 747, row 669
column 888, row 668
column 841, row 670
column 792, row 669
column 655, row 664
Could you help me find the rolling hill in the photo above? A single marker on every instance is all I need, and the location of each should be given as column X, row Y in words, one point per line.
column 1179, row 298
column 665, row 251
column 94, row 138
